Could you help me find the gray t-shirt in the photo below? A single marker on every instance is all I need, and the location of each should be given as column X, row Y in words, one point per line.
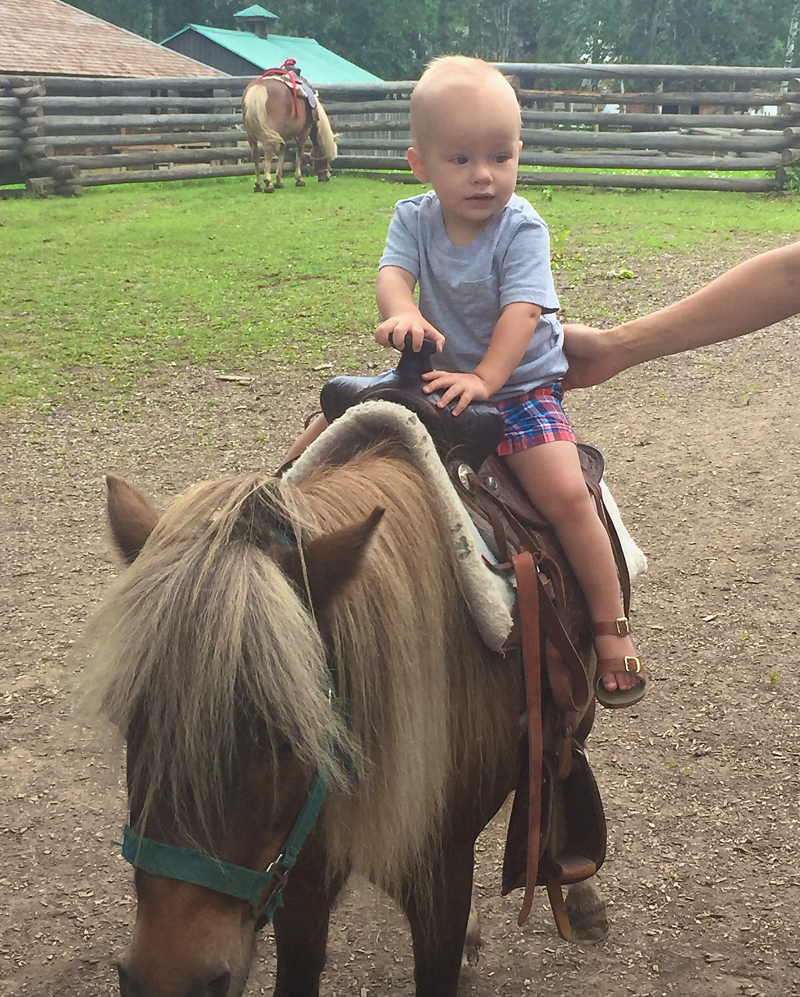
column 463, row 289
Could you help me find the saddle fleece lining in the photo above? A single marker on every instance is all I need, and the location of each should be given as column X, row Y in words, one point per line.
column 489, row 595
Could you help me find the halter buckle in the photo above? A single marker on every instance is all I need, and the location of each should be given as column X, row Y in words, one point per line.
column 278, row 874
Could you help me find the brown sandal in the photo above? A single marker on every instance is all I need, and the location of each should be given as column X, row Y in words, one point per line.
column 616, row 698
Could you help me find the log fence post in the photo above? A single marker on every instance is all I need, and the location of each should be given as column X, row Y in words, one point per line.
column 37, row 167
column 13, row 96
column 61, row 134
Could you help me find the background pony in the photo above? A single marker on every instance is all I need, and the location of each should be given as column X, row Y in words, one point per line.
column 272, row 114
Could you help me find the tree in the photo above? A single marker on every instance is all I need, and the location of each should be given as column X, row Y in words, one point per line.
column 682, row 32
column 157, row 19
column 395, row 38
column 794, row 31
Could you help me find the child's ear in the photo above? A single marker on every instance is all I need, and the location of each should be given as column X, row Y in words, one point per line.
column 416, row 164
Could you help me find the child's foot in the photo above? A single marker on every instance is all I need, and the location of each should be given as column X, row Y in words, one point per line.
column 620, row 678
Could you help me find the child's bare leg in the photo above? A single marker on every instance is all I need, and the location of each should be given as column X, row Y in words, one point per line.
column 309, row 434
column 551, row 475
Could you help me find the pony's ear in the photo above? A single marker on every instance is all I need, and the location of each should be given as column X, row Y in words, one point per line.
column 333, row 560
column 131, row 516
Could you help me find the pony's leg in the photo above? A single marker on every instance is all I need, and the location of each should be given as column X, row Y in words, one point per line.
column 298, row 165
column 254, row 149
column 301, row 933
column 279, row 166
column 268, row 154
column 439, row 922
column 473, row 941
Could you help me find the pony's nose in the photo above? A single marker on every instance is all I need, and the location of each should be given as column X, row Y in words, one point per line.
column 212, row 983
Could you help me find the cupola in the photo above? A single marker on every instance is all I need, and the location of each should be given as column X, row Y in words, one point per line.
column 255, row 19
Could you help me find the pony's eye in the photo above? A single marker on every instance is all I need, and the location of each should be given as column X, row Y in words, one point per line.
column 284, row 749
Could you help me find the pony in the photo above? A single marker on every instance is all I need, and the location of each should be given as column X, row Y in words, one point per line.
column 272, row 114
column 264, row 632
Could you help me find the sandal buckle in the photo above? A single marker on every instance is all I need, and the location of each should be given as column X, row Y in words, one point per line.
column 623, row 626
column 633, row 664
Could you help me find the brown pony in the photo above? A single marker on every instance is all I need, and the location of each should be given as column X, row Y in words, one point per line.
column 266, row 631
column 272, row 115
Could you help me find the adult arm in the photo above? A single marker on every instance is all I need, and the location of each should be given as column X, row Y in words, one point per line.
column 394, row 292
column 751, row 296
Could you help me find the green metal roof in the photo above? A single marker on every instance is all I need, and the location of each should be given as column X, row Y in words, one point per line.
column 319, row 65
column 255, row 10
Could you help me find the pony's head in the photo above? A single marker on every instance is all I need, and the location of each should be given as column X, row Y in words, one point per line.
column 211, row 658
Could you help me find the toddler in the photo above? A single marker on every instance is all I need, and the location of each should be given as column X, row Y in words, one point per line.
column 480, row 257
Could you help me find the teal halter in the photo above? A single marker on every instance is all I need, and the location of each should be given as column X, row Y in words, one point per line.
column 264, row 890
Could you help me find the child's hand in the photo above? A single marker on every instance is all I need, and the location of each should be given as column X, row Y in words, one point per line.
column 393, row 331
column 466, row 387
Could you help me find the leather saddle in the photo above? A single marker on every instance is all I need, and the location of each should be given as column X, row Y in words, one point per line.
column 469, row 438
column 557, row 829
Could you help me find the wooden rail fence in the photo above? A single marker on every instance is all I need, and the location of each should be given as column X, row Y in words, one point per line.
column 61, row 134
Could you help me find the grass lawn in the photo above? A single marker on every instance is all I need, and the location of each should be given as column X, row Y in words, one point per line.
column 129, row 277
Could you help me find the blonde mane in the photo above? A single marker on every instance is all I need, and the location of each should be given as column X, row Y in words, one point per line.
column 204, row 639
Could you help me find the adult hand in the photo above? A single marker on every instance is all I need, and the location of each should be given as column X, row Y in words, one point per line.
column 591, row 356
column 393, row 331
column 466, row 387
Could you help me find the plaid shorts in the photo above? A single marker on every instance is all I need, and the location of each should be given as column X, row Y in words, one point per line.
column 533, row 418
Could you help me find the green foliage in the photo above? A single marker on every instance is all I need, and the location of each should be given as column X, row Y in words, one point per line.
column 560, row 258
column 390, row 39
column 395, row 38
column 680, row 32
column 157, row 19
column 792, row 184
column 623, row 273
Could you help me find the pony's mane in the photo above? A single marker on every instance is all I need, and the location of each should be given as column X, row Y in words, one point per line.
column 190, row 694
column 425, row 701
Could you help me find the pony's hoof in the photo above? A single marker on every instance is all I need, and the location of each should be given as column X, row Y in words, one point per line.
column 279, row 183
column 323, row 179
column 269, row 190
column 587, row 913
column 472, row 941
column 257, row 188
column 299, row 183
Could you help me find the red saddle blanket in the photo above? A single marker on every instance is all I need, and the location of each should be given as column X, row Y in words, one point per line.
column 297, row 84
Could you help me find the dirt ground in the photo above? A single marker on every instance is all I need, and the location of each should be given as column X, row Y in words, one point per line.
column 700, row 782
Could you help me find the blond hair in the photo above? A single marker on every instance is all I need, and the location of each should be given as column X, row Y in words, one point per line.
column 441, row 77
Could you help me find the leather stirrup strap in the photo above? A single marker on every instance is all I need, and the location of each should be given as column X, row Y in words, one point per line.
column 569, row 683
column 616, row 546
column 559, row 909
column 528, row 596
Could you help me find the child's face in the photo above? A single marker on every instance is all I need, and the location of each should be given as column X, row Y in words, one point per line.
column 470, row 155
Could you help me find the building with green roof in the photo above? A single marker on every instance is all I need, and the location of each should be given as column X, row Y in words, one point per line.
column 254, row 48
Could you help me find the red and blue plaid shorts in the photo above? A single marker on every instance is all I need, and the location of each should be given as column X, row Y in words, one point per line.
column 533, row 418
